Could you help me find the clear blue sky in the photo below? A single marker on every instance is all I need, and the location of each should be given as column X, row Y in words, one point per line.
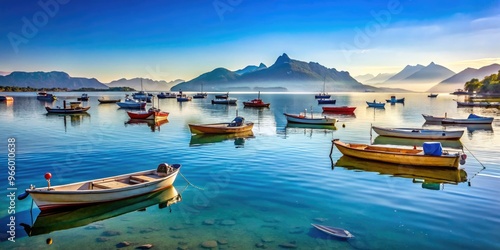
column 182, row 39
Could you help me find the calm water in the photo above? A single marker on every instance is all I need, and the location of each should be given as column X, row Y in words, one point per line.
column 267, row 188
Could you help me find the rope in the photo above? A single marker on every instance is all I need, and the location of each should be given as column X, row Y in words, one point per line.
column 190, row 184
column 469, row 179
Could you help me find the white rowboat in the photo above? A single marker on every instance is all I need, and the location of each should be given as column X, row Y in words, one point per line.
column 417, row 133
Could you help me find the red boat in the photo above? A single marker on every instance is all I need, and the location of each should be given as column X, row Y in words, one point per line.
column 256, row 103
column 151, row 114
column 341, row 109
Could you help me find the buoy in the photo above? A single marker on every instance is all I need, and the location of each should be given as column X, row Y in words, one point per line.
column 462, row 162
column 343, row 125
column 47, row 176
column 49, row 241
column 463, row 156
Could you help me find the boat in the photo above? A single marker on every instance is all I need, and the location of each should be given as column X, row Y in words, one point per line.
column 184, row 98
column 151, row 114
column 131, row 104
column 238, row 125
column 340, row 109
column 398, row 141
column 302, row 118
column 431, row 154
column 141, row 95
column 323, row 95
column 434, row 119
column 460, row 92
column 428, row 175
column 335, row 231
column 471, row 119
column 478, row 104
column 6, row 98
column 102, row 190
column 74, row 108
column 375, row 104
column 326, row 101
column 228, row 101
column 44, row 96
column 395, row 100
column 104, row 101
column 418, row 133
column 431, row 95
column 222, row 96
column 63, row 219
column 84, row 97
column 256, row 103
column 164, row 95
column 201, row 94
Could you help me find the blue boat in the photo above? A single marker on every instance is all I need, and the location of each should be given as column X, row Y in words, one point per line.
column 394, row 100
column 375, row 104
column 326, row 101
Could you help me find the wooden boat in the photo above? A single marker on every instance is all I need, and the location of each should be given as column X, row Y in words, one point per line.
column 434, row 119
column 164, row 95
column 84, row 97
column 228, row 101
column 395, row 100
column 337, row 232
column 397, row 141
column 103, row 190
column 398, row 155
column 340, row 109
column 323, row 95
column 74, row 108
column 151, row 114
column 431, row 95
column 327, row 101
column 104, row 101
column 184, row 98
column 43, row 96
column 63, row 219
column 142, row 96
column 478, row 104
column 302, row 118
column 471, row 119
column 238, row 125
column 428, row 175
column 6, row 98
column 375, row 104
column 256, row 103
column 132, row 104
column 418, row 133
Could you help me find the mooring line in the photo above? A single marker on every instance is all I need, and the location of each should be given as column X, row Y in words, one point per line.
column 191, row 184
column 469, row 179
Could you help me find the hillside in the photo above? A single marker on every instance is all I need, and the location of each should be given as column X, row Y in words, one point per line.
column 147, row 84
column 250, row 68
column 458, row 80
column 431, row 73
column 53, row 79
column 284, row 73
column 403, row 74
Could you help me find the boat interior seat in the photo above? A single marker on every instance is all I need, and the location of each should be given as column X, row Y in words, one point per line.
column 112, row 184
column 142, row 178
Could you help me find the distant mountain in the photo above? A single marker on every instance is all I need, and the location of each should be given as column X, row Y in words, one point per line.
column 364, row 78
column 53, row 79
column 406, row 72
column 250, row 68
column 431, row 73
column 381, row 77
column 286, row 73
column 458, row 80
column 4, row 73
column 147, row 84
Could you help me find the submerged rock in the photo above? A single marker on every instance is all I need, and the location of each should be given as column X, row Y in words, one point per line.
column 123, row 244
column 101, row 239
column 209, row 244
column 266, row 240
column 145, row 246
column 110, row 233
column 222, row 241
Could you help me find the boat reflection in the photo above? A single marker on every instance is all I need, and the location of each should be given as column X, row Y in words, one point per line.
column 471, row 128
column 308, row 129
column 51, row 221
column 431, row 178
column 386, row 140
column 74, row 119
column 203, row 139
column 154, row 125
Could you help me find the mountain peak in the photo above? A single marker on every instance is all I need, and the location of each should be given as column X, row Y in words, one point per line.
column 283, row 59
column 431, row 64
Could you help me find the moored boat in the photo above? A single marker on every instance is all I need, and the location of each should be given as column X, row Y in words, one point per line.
column 431, row 154
column 340, row 109
column 375, row 104
column 74, row 108
column 327, row 101
column 228, row 101
column 238, row 125
column 471, row 119
column 102, row 100
column 164, row 95
column 184, row 98
column 151, row 114
column 302, row 118
column 222, row 96
column 431, row 118
column 201, row 94
column 460, row 92
column 395, row 100
column 335, row 231
column 103, row 190
column 256, row 103
column 479, row 104
column 431, row 95
column 6, row 98
column 44, row 96
column 418, row 133
column 131, row 104
column 84, row 97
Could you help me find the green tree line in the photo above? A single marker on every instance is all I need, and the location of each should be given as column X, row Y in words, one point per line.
column 489, row 85
column 30, row 89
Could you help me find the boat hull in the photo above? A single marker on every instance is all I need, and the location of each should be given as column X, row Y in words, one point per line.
column 326, row 101
column 224, row 101
column 219, row 128
column 256, row 103
column 376, row 104
column 430, row 118
column 416, row 133
column 337, row 232
column 88, row 193
column 139, row 105
column 148, row 115
column 109, row 100
column 484, row 120
column 67, row 110
column 303, row 119
column 397, row 155
column 342, row 109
